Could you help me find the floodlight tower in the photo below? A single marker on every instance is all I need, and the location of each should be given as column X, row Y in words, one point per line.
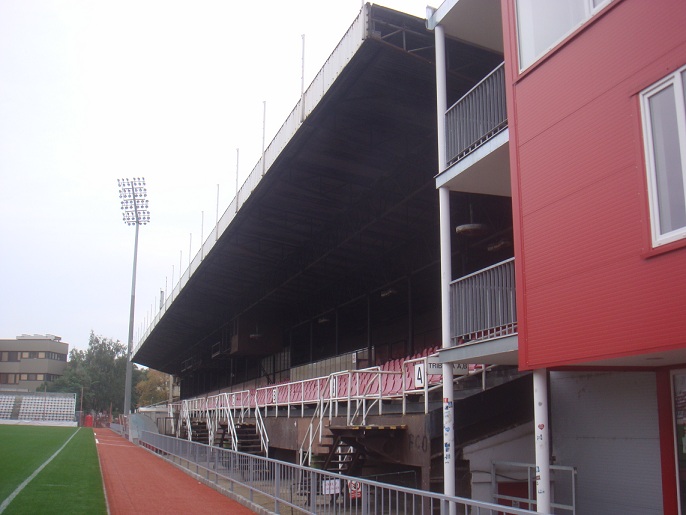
column 134, row 205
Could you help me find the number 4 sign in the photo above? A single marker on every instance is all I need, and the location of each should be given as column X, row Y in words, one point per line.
column 419, row 375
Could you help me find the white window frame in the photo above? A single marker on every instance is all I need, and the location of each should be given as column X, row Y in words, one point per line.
column 674, row 80
column 590, row 11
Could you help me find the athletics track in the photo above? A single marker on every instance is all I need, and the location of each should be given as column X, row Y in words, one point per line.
column 137, row 481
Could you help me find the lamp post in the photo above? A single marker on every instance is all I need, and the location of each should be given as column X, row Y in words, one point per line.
column 134, row 205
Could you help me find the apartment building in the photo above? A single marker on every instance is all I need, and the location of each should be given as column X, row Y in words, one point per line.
column 28, row 361
column 583, row 126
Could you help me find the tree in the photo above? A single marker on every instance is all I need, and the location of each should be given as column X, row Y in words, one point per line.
column 98, row 374
column 153, row 388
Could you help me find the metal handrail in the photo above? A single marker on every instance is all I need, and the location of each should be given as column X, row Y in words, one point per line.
column 231, row 424
column 476, row 117
column 277, row 485
column 483, row 304
column 530, row 479
column 262, row 431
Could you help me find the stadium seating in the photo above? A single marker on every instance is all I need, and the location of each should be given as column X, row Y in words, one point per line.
column 6, row 404
column 48, row 407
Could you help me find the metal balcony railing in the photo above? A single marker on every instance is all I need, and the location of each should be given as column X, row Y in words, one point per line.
column 482, row 304
column 477, row 116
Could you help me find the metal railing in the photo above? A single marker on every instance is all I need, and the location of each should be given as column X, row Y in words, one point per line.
column 482, row 304
column 262, row 432
column 478, row 116
column 278, row 486
column 564, row 478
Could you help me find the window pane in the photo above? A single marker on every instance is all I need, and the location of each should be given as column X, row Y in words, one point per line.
column 668, row 176
column 542, row 24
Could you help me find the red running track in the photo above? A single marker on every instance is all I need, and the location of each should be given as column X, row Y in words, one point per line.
column 137, row 481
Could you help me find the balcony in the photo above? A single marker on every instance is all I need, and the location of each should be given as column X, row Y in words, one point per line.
column 483, row 317
column 477, row 117
column 477, row 140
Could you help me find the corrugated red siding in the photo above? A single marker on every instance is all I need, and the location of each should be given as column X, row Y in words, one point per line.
column 587, row 290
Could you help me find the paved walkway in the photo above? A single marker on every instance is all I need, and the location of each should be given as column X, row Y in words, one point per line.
column 136, row 481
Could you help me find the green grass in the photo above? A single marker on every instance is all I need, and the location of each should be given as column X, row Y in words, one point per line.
column 70, row 483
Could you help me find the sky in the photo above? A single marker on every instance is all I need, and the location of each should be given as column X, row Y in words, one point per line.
column 177, row 92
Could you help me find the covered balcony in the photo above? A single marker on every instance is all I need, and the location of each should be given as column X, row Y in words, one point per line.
column 477, row 140
column 483, row 317
column 476, row 133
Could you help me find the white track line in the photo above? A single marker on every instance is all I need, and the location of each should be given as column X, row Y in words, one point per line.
column 18, row 490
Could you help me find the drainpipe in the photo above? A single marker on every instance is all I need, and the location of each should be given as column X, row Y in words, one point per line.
column 446, row 273
column 542, row 447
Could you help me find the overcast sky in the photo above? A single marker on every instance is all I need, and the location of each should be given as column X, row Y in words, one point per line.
column 96, row 90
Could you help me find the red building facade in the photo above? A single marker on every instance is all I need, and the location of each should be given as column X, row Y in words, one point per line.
column 596, row 118
column 592, row 284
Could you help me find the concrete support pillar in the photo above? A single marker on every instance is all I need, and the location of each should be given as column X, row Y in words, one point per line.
column 542, row 445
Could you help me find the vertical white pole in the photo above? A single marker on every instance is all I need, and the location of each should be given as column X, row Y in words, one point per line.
column 264, row 132
column 237, row 156
column 542, row 448
column 446, row 275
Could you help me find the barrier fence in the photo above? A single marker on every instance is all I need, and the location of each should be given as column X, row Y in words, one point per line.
column 282, row 487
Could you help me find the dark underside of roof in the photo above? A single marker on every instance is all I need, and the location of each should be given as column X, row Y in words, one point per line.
column 348, row 207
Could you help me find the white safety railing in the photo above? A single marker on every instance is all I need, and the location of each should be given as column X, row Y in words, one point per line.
column 262, row 432
column 564, row 478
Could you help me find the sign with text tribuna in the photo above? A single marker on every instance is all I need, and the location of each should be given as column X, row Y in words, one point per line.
column 435, row 367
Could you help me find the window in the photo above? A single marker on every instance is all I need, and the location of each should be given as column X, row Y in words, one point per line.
column 664, row 135
column 542, row 24
column 8, row 378
column 41, row 355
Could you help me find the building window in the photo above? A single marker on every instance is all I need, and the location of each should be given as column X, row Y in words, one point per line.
column 542, row 24
column 8, row 378
column 664, row 134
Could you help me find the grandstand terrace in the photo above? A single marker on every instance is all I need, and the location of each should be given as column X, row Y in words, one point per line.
column 317, row 298
column 26, row 408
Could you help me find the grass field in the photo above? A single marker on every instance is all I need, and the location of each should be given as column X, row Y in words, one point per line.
column 70, row 483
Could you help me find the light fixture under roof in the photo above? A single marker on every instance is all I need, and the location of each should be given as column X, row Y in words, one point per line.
column 471, row 230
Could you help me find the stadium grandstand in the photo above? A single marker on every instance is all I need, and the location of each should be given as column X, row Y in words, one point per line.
column 307, row 327
column 27, row 408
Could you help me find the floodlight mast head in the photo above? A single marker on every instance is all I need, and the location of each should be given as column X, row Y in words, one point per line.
column 134, row 202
